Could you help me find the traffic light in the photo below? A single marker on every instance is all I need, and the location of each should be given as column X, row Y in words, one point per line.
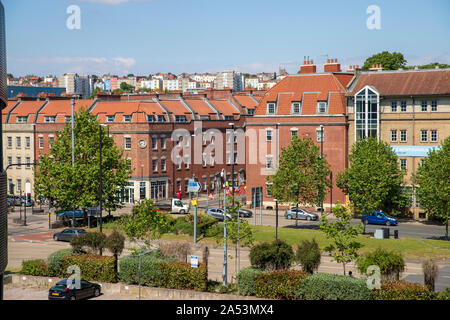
column 28, row 197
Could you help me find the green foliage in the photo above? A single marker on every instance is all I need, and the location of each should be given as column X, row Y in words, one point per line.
column 374, row 179
column 401, row 290
column 91, row 242
column 115, row 243
column 443, row 295
column 391, row 264
column 92, row 267
column 180, row 275
column 308, row 255
column 279, row 284
column 181, row 226
column 126, row 87
column 390, row 61
column 246, row 281
column 430, row 273
column 37, row 267
column 301, row 174
column 324, row 286
column 433, row 183
column 77, row 186
column 55, row 260
column 272, row 256
column 150, row 273
column 344, row 247
column 146, row 222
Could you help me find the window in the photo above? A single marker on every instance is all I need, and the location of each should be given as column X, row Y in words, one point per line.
column 269, row 190
column 155, row 165
column 229, row 118
column 178, row 162
column 50, row 119
column 9, row 142
column 269, row 162
column 142, row 190
column 211, row 159
column 127, row 143
column 18, row 142
column 178, row 185
column 27, row 142
column 163, row 143
column 163, row 164
column 434, row 136
column 393, row 135
column 205, row 185
column 110, row 118
column 22, row 119
column 403, row 106
column 296, row 107
column 154, row 143
column 366, row 114
column 321, row 107
column 11, row 186
column 180, row 118
column 204, row 159
column 204, row 118
column 150, row 118
column 424, row 106
column 187, row 161
column 41, row 142
column 269, row 135
column 394, row 106
column 19, row 185
column 235, row 158
column 127, row 118
column 161, row 118
column 204, row 138
column 28, row 161
column 228, row 157
column 250, row 112
column 293, row 133
column 51, row 140
column 423, row 135
column 320, row 135
column 271, row 108
column 434, row 105
column 9, row 160
column 403, row 163
column 403, row 137
column 19, row 161
column 186, row 184
column 67, row 119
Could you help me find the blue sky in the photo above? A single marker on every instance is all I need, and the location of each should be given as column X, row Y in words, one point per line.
column 149, row 36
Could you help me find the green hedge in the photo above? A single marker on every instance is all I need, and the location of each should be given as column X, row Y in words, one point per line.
column 92, row 267
column 279, row 284
column 246, row 281
column 401, row 290
column 324, row 286
column 37, row 267
column 180, row 275
column 129, row 269
column 55, row 261
column 276, row 255
column 391, row 264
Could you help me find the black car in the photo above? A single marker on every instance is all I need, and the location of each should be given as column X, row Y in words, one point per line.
column 68, row 234
column 62, row 291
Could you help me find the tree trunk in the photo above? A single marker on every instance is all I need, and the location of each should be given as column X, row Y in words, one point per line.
column 296, row 214
column 343, row 264
column 446, row 230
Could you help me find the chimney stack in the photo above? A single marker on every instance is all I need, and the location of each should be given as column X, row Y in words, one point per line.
column 308, row 66
column 332, row 66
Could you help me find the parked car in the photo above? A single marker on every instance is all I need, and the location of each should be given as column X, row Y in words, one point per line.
column 176, row 206
column 68, row 234
column 302, row 214
column 18, row 200
column 61, row 290
column 217, row 213
column 245, row 213
column 379, row 217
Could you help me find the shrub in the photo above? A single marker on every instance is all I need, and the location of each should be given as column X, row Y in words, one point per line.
column 443, row 295
column 181, row 226
column 430, row 273
column 37, row 267
column 92, row 267
column 91, row 241
column 178, row 250
column 401, row 290
column 55, row 261
column 279, row 284
column 308, row 255
column 246, row 281
column 129, row 269
column 115, row 243
column 272, row 256
column 180, row 275
column 325, row 286
column 391, row 264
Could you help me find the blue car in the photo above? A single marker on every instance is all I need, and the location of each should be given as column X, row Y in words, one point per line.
column 379, row 217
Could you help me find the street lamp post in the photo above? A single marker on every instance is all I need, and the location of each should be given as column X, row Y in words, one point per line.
column 276, row 219
column 225, row 258
column 72, row 102
column 321, row 157
column 140, row 256
column 232, row 188
column 101, row 180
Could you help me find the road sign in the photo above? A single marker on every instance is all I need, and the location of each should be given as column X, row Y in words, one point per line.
column 194, row 202
column 194, row 261
column 194, row 186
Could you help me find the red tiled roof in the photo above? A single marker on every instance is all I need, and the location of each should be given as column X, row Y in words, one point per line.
column 224, row 107
column 404, row 82
column 246, row 101
column 62, row 108
column 11, row 104
column 307, row 89
column 26, row 108
column 177, row 108
column 201, row 107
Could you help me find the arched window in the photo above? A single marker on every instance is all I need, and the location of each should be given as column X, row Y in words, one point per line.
column 367, row 107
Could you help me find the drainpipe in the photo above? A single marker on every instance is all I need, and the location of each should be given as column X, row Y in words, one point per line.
column 413, row 159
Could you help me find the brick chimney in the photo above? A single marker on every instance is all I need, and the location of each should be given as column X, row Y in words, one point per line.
column 376, row 67
column 308, row 66
column 332, row 66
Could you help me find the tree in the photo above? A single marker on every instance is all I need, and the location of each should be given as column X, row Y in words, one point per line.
column 77, row 186
column 146, row 222
column 308, row 255
column 302, row 175
column 96, row 90
column 373, row 181
column 389, row 61
column 433, row 183
column 126, row 87
column 344, row 248
column 115, row 243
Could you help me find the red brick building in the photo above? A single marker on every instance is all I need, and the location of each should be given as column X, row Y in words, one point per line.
column 298, row 105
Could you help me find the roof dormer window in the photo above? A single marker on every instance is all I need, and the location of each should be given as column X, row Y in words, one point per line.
column 322, row 107
column 296, row 107
column 110, row 118
column 150, row 118
column 127, row 118
column 271, row 108
column 50, row 119
column 22, row 119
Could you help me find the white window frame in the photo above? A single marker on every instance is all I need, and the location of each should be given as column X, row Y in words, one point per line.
column 127, row 118
column 41, row 142
column 125, row 141
column 406, row 135
column 293, row 107
column 269, row 135
column 269, row 106
column 435, row 134
column 49, row 119
column 423, row 134
column 320, row 105
column 392, row 136
column 269, row 156
column 108, row 118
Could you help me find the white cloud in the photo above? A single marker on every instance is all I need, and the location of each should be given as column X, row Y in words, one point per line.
column 81, row 65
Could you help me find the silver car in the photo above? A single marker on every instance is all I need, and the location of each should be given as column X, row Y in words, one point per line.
column 302, row 214
column 68, row 234
column 217, row 213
